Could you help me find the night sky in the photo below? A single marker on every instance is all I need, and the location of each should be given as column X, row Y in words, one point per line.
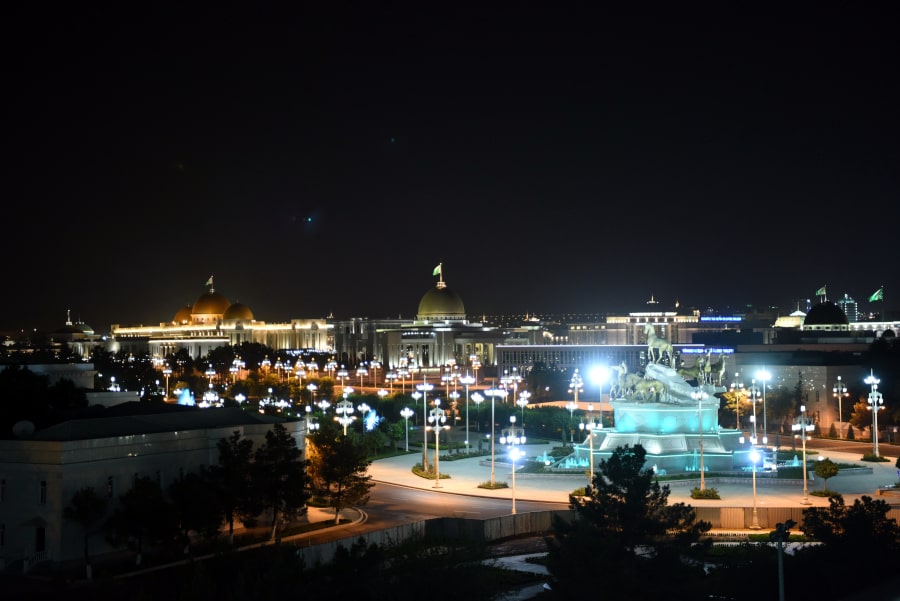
column 553, row 160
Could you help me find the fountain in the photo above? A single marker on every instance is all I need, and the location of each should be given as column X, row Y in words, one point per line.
column 659, row 410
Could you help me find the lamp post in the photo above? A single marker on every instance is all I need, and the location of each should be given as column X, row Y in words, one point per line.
column 467, row 381
column 493, row 393
column 876, row 404
column 363, row 408
column 737, row 389
column 361, row 372
column 375, row 365
column 512, row 437
column 523, row 402
column 803, row 426
column 754, row 394
column 478, row 400
column 344, row 411
column 754, row 457
column 599, row 375
column 437, row 421
column 700, row 396
column 406, row 413
column 390, row 377
column 571, row 406
column 590, row 427
column 764, row 376
column 424, row 389
column 840, row 391
column 476, row 365
column 323, row 405
column 402, row 373
column 167, row 371
column 512, row 379
column 781, row 535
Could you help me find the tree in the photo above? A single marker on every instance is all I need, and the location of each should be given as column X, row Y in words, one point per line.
column 625, row 529
column 143, row 514
column 197, row 506
column 86, row 508
column 231, row 479
column 338, row 469
column 826, row 469
column 279, row 474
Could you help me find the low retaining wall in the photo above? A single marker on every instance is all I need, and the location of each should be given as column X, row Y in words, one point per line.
column 536, row 522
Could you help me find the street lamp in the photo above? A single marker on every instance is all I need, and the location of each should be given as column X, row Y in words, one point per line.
column 361, row 372
column 780, row 535
column 323, row 405
column 840, row 391
column 737, row 389
column 407, row 413
column 467, row 381
column 523, row 402
column 599, row 375
column 494, row 392
column 571, row 406
column 754, row 394
column 478, row 400
column 390, row 377
column 363, row 408
column 803, row 425
column 424, row 388
column 512, row 437
column 344, row 411
column 513, row 380
column 754, row 457
column 167, row 371
column 476, row 365
column 700, row 396
column 876, row 404
column 590, row 427
column 764, row 376
column 375, row 365
column 437, row 421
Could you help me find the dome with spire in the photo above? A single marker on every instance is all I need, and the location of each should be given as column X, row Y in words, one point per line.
column 441, row 303
column 211, row 303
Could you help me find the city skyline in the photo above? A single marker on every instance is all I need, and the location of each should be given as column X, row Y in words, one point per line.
column 324, row 163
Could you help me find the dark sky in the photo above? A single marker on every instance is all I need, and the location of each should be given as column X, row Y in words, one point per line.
column 552, row 159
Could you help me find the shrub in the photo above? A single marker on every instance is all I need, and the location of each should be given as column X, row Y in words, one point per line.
column 493, row 486
column 709, row 493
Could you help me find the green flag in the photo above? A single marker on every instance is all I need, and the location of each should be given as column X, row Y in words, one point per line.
column 878, row 295
column 820, row 291
column 437, row 270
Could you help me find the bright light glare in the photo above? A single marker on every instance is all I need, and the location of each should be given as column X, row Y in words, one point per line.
column 599, row 374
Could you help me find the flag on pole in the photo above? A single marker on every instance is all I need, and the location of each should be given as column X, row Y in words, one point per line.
column 820, row 291
column 878, row 295
column 209, row 281
column 437, row 270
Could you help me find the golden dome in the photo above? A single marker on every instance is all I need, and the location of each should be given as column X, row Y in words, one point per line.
column 238, row 311
column 183, row 316
column 441, row 303
column 211, row 303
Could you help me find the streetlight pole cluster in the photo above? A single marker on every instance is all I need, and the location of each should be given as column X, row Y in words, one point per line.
column 437, row 421
column 840, row 391
column 804, row 426
column 876, row 404
column 512, row 437
column 493, row 393
column 700, row 396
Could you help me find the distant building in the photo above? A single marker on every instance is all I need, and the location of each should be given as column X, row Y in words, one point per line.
column 214, row 321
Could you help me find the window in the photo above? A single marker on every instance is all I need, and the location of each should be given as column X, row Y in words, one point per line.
column 43, row 492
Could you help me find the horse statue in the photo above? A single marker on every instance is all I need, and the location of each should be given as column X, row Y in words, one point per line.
column 695, row 371
column 650, row 390
column 661, row 345
column 626, row 383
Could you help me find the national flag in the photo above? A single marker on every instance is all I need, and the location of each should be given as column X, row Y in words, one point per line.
column 209, row 281
column 820, row 291
column 437, row 270
column 878, row 295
